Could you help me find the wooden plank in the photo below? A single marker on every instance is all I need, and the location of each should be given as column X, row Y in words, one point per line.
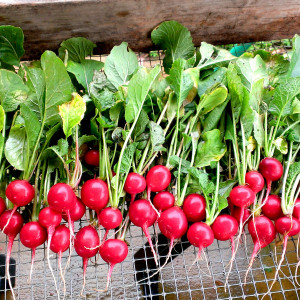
column 46, row 23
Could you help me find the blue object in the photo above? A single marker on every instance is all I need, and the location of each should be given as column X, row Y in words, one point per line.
column 239, row 49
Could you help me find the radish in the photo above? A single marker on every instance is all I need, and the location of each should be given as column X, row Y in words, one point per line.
column 262, row 231
column 142, row 214
column 194, row 208
column 110, row 218
column 272, row 207
column 173, row 224
column 134, row 184
column 237, row 211
column 113, row 251
column 2, row 206
column 60, row 243
column 11, row 230
column 76, row 212
column 62, row 198
column 92, row 158
column 33, row 235
column 242, row 196
column 86, row 245
column 225, row 228
column 20, row 193
column 255, row 181
column 200, row 235
column 287, row 226
column 163, row 201
column 158, row 178
column 94, row 194
column 272, row 170
column 50, row 219
column 296, row 211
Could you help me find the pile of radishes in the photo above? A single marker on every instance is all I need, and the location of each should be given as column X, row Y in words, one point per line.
column 201, row 149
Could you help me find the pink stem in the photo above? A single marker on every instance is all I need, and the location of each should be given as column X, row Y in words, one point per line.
column 199, row 253
column 254, row 253
column 105, row 235
column 85, row 263
column 110, row 270
column 8, row 255
column 147, row 234
column 32, row 261
column 132, row 198
column 70, row 225
column 148, row 193
column 11, row 214
column 232, row 246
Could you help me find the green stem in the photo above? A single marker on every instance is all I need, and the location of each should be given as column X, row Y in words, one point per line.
column 3, row 135
column 212, row 214
column 41, row 193
column 35, row 212
column 236, row 151
column 31, row 166
column 143, row 158
column 266, row 135
column 244, row 161
column 271, row 146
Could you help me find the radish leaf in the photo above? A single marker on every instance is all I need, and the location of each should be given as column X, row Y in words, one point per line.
column 294, row 70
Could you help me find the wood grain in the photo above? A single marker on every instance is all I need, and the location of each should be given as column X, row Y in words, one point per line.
column 46, row 23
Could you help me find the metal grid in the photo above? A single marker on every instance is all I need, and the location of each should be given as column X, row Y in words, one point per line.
column 182, row 278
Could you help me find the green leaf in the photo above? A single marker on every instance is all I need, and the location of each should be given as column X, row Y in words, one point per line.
column 84, row 71
column 210, row 101
column 13, row 91
column 141, row 124
column 217, row 77
column 223, row 203
column 281, row 145
column 114, row 112
column 294, row 171
column 251, row 70
column 138, row 89
column 58, row 86
column 120, row 65
column 207, row 186
column 78, row 49
column 294, row 70
column 212, row 56
column 32, row 125
column 236, row 91
column 229, row 133
column 213, row 118
column 258, row 128
column 175, row 39
column 103, row 100
column 285, row 92
column 72, row 113
column 85, row 139
column 157, row 135
column 16, row 147
column 127, row 158
column 211, row 149
column 36, row 84
column 2, row 116
column 11, row 44
column 225, row 188
column 175, row 161
column 180, row 80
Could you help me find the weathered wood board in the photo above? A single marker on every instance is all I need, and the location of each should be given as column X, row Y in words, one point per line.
column 108, row 22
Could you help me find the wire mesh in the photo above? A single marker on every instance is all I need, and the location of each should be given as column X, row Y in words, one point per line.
column 182, row 278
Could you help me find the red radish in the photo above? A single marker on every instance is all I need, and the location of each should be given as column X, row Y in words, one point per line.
column 20, row 193
column 163, row 201
column 86, row 245
column 76, row 212
column 296, row 212
column 62, row 198
column 94, row 194
column 225, row 228
column 92, row 158
column 60, row 242
column 173, row 224
column 242, row 196
column 11, row 230
column 272, row 170
column 287, row 226
column 262, row 231
column 33, row 235
column 200, row 235
column 113, row 251
column 272, row 207
column 255, row 181
column 142, row 214
column 50, row 219
column 158, row 178
column 194, row 208
column 134, row 184
column 110, row 218
column 237, row 211
column 2, row 206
